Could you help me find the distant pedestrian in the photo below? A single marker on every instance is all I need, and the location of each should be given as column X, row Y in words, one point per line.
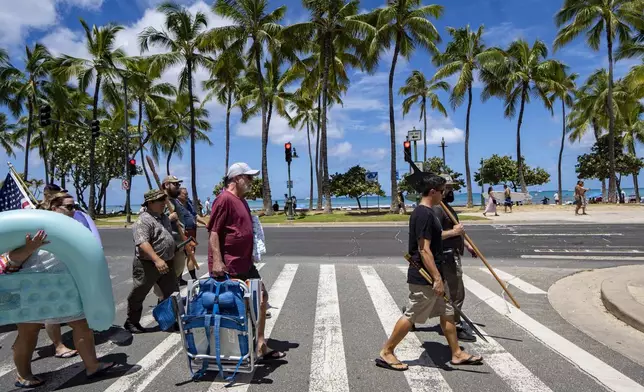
column 580, row 198
column 556, row 197
column 508, row 198
column 491, row 203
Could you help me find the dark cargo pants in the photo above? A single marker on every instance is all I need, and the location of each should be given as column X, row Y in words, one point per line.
column 144, row 276
column 453, row 274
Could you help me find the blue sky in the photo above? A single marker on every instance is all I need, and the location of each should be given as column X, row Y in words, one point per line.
column 359, row 131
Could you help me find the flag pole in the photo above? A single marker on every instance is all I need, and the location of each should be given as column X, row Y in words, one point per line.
column 24, row 185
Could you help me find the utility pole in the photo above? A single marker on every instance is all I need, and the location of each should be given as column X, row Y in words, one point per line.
column 128, row 177
column 443, row 147
column 482, row 188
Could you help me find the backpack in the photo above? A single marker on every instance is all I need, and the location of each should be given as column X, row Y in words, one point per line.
column 219, row 310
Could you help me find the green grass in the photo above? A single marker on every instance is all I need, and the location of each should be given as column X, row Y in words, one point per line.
column 349, row 217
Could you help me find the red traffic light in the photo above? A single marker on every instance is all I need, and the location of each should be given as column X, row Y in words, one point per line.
column 407, row 144
column 132, row 162
column 287, row 146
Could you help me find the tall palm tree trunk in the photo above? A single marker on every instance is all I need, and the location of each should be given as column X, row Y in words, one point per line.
column 266, row 186
column 468, row 176
column 228, row 129
column 631, row 148
column 521, row 180
column 43, row 154
column 425, row 130
column 193, row 160
column 92, row 152
column 308, row 139
column 145, row 170
column 167, row 163
column 392, row 128
column 317, row 156
column 28, row 143
column 561, row 148
column 323, row 146
column 611, row 121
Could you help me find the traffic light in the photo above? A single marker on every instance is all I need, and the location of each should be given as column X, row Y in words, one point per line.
column 131, row 166
column 96, row 129
column 287, row 152
column 45, row 115
column 407, row 145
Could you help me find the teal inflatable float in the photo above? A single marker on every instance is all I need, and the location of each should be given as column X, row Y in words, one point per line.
column 83, row 287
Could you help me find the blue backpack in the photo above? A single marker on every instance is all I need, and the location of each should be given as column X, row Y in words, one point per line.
column 217, row 306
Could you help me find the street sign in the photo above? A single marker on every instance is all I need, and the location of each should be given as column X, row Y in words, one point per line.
column 414, row 135
column 372, row 176
column 125, row 185
column 397, row 176
column 289, row 184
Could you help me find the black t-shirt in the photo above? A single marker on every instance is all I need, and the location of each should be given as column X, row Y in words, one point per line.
column 456, row 242
column 423, row 224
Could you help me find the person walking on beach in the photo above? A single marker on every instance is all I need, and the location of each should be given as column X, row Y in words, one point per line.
column 580, row 198
column 491, row 203
column 508, row 198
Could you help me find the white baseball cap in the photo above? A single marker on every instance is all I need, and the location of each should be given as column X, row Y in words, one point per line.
column 240, row 168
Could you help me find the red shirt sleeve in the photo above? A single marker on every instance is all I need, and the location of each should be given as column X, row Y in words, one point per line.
column 217, row 224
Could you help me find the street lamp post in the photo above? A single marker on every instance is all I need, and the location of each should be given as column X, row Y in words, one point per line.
column 443, row 146
column 289, row 153
column 128, row 178
column 482, row 188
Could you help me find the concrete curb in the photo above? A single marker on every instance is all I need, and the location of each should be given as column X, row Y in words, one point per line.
column 619, row 301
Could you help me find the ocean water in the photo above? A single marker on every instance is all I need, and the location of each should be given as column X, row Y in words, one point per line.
column 460, row 199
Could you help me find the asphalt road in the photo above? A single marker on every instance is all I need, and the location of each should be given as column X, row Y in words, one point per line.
column 336, row 293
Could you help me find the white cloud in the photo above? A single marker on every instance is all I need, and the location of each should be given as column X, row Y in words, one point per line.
column 584, row 144
column 88, row 4
column 280, row 132
column 341, row 150
column 62, row 40
column 18, row 18
column 437, row 128
column 503, row 34
column 375, row 154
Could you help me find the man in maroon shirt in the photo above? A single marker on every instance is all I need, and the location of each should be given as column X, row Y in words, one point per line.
column 230, row 243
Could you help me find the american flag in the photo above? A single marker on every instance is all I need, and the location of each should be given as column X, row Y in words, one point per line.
column 12, row 196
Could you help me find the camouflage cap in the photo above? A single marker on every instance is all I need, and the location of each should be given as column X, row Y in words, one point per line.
column 153, row 195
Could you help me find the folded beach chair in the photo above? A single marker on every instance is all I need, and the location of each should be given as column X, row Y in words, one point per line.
column 217, row 321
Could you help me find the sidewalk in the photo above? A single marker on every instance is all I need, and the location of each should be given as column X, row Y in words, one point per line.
column 607, row 304
column 597, row 213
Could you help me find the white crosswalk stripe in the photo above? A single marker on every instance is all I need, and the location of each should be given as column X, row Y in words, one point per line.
column 514, row 281
column 327, row 364
column 605, row 374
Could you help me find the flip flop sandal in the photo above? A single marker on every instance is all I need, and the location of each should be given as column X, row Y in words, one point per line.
column 101, row 370
column 271, row 355
column 67, row 354
column 468, row 361
column 36, row 382
column 384, row 364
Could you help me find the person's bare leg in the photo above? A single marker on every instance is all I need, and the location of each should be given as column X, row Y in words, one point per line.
column 54, row 333
column 401, row 329
column 84, row 342
column 449, row 330
column 262, row 347
column 23, row 350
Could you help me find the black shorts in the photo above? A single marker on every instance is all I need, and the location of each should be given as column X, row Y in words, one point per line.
column 252, row 273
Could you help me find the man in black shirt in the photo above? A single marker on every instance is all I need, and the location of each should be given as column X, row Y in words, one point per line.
column 453, row 248
column 425, row 246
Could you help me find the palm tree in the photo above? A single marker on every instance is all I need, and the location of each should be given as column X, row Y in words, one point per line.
column 224, row 84
column 336, row 34
column 149, row 94
column 631, row 111
column 405, row 23
column 465, row 54
column 523, row 72
column 252, row 22
column 172, row 126
column 305, row 114
column 7, row 139
column 183, row 36
column 37, row 64
column 101, row 68
column 614, row 18
column 418, row 88
column 563, row 87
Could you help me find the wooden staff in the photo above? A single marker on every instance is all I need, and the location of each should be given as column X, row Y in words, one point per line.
column 168, row 203
column 479, row 254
